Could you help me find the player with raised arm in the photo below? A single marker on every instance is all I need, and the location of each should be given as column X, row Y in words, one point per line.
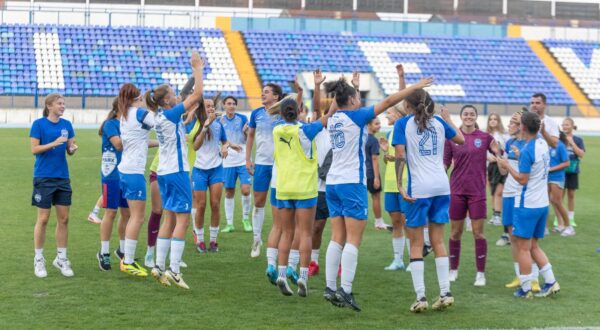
column 531, row 207
column 52, row 138
column 260, row 127
column 346, row 183
column 173, row 173
column 418, row 141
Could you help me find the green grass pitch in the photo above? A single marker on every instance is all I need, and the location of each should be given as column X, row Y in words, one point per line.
column 230, row 290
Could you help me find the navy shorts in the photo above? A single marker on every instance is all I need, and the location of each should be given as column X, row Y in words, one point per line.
column 348, row 200
column 434, row 209
column 322, row 209
column 176, row 192
column 262, row 177
column 51, row 191
column 232, row 173
column 202, row 179
column 112, row 195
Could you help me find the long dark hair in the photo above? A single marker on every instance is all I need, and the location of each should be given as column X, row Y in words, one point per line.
column 202, row 115
column 423, row 105
column 127, row 95
column 155, row 97
column 341, row 90
column 562, row 137
column 111, row 114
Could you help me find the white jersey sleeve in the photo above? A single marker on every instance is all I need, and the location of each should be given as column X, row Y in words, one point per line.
column 551, row 126
column 535, row 161
column 172, row 148
column 135, row 131
column 234, row 129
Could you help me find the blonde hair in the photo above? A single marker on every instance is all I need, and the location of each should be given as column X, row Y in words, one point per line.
column 499, row 128
column 50, row 98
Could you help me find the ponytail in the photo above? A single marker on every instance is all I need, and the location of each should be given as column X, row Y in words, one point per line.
column 341, row 90
column 424, row 107
column 155, row 98
column 111, row 114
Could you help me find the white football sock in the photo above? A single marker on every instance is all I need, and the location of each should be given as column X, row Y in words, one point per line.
column 150, row 250
column 199, row 234
column 272, row 256
column 257, row 222
column 104, row 247
column 571, row 215
column 246, row 202
column 193, row 216
column 162, row 248
column 122, row 245
column 398, row 246
column 426, row 236
column 39, row 253
column 535, row 272
column 517, row 269
column 229, row 207
column 62, row 253
column 417, row 272
column 282, row 271
column 332, row 264
column 294, row 259
column 96, row 210
column 525, row 282
column 442, row 267
column 349, row 263
column 304, row 273
column 214, row 232
column 548, row 274
column 314, row 255
column 130, row 245
column 177, row 247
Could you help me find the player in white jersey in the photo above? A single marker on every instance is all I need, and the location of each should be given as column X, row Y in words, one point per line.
column 173, row 173
column 234, row 166
column 346, row 183
column 211, row 147
column 531, row 207
column 549, row 128
column 419, row 140
column 260, row 127
column 135, row 129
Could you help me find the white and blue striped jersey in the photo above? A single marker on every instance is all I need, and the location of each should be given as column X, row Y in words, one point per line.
column 424, row 155
column 234, row 129
column 135, row 131
column 209, row 154
column 348, row 136
column 172, row 146
column 263, row 125
column 535, row 161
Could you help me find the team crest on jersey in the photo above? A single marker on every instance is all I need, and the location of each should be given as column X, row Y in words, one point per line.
column 553, row 153
column 38, row 198
column 109, row 162
column 477, row 143
column 64, row 133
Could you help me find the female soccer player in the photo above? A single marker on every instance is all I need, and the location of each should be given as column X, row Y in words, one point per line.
column 261, row 126
column 393, row 202
column 576, row 150
column 346, row 187
column 112, row 196
column 467, row 189
column 496, row 180
column 531, row 208
column 236, row 127
column 51, row 137
column 135, row 128
column 296, row 188
column 418, row 142
column 208, row 172
column 173, row 173
column 559, row 161
column 373, row 176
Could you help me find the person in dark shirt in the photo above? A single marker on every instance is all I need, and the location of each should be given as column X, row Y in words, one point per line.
column 576, row 151
column 372, row 169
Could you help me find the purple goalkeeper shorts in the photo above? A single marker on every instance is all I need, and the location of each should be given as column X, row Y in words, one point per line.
column 475, row 205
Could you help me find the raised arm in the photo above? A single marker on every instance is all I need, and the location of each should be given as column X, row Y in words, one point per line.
column 332, row 109
column 458, row 138
column 400, row 95
column 187, row 88
column 191, row 102
column 401, row 81
column 319, row 78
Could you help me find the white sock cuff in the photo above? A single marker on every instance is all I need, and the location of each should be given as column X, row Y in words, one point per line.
column 349, row 248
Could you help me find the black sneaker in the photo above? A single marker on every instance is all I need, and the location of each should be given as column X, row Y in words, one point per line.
column 103, row 261
column 347, row 299
column 330, row 296
column 119, row 254
column 426, row 250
